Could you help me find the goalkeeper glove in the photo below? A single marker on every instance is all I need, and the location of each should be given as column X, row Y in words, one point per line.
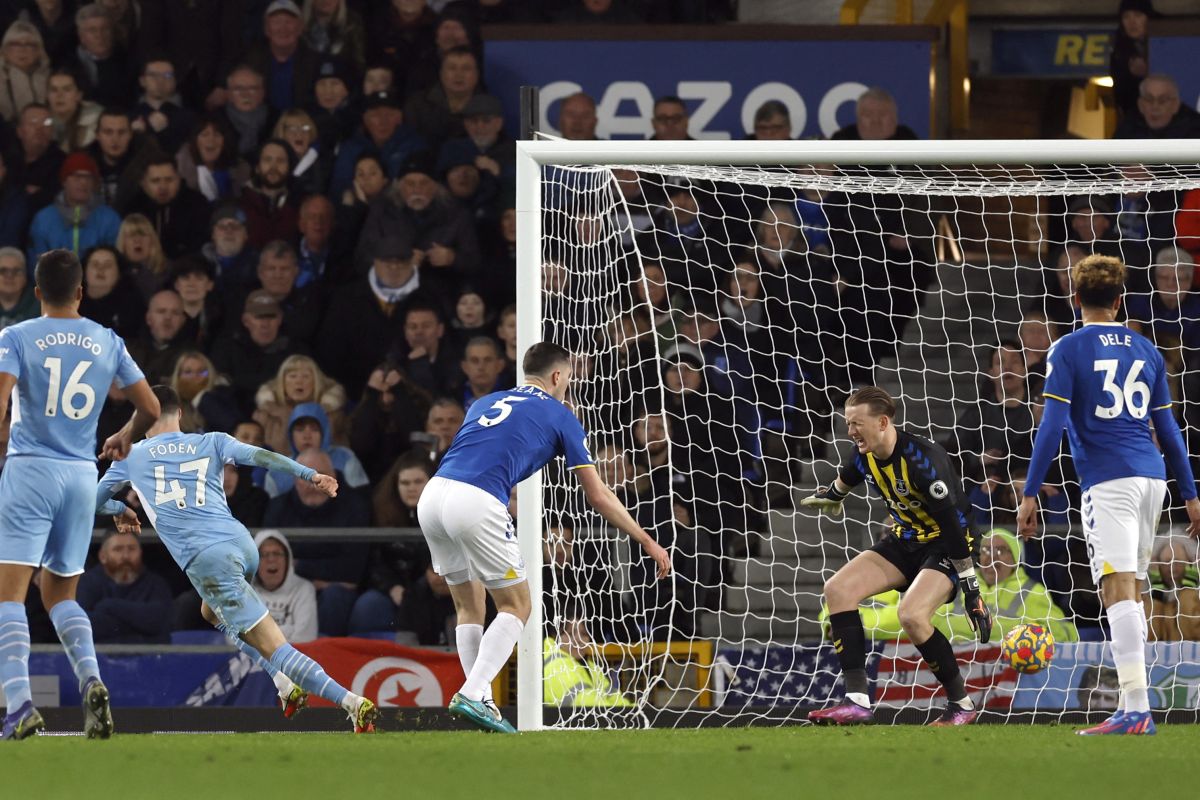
column 977, row 611
column 827, row 500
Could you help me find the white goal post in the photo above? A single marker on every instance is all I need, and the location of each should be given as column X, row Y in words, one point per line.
column 959, row 168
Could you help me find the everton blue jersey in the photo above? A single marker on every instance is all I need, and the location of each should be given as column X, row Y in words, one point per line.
column 179, row 479
column 64, row 368
column 508, row 436
column 1112, row 378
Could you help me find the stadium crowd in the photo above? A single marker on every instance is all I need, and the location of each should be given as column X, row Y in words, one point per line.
column 301, row 217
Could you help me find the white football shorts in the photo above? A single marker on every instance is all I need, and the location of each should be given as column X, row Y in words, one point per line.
column 470, row 534
column 1120, row 518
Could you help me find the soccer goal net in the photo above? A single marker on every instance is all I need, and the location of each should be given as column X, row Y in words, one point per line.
column 723, row 299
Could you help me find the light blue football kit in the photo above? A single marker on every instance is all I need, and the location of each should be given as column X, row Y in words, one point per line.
column 64, row 368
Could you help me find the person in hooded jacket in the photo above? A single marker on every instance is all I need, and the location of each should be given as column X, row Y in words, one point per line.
column 292, row 600
column 78, row 218
column 309, row 428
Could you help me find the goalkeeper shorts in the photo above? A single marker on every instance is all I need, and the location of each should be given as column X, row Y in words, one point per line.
column 470, row 534
column 911, row 557
column 1120, row 518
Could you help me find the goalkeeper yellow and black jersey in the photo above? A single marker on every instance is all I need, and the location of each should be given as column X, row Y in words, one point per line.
column 919, row 485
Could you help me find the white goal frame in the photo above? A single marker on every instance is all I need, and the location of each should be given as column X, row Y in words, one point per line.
column 532, row 156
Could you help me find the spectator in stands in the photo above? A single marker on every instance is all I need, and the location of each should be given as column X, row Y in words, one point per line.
column 472, row 318
column 431, row 362
column 209, row 162
column 127, row 603
column 208, row 401
column 37, row 168
column 370, row 182
column 145, row 263
column 332, row 28
column 300, row 380
column 876, row 118
column 485, row 145
column 292, row 600
column 506, row 332
column 14, row 208
column 365, row 317
column 284, row 59
column 247, row 502
column 443, row 421
column 436, row 114
column 24, row 69
column 311, row 173
column 398, row 32
column 577, row 117
column 1170, row 316
column 333, row 107
column 78, row 218
column 378, row 77
column 228, row 250
column 426, row 615
column 397, row 565
column 1059, row 303
column 1091, row 226
column 336, row 568
column 56, row 24
column 1036, row 334
column 103, row 66
column 309, row 428
column 483, row 364
column 1173, row 603
column 113, row 153
column 252, row 355
column 387, row 415
column 75, row 119
column 1161, row 113
column 108, row 296
column 178, row 213
column 995, row 500
column 164, row 337
column 315, row 223
column 652, row 459
column 278, row 269
column 272, row 208
column 670, row 120
column 384, row 134
column 157, row 114
column 1000, row 426
column 202, row 38
column 772, row 122
column 192, row 278
column 17, row 300
column 247, row 111
column 1129, row 60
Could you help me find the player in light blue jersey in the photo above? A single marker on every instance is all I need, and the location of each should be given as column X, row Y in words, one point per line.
column 178, row 479
column 1105, row 384
column 57, row 369
column 463, row 511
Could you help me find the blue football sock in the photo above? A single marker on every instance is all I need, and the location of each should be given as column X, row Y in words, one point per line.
column 75, row 632
column 14, row 655
column 308, row 674
column 249, row 650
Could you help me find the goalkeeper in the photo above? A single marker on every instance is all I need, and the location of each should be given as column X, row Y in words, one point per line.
column 929, row 554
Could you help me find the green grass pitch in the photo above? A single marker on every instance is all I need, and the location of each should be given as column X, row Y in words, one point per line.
column 882, row 762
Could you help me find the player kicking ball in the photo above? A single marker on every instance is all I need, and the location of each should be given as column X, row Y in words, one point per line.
column 929, row 554
column 463, row 511
column 1105, row 384
column 178, row 479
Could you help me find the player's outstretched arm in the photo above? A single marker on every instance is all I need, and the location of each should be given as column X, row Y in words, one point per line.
column 601, row 498
column 248, row 454
column 125, row 517
column 1170, row 439
column 146, row 411
column 1045, row 447
column 7, row 382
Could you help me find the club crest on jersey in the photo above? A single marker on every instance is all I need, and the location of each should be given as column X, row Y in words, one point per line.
column 901, row 488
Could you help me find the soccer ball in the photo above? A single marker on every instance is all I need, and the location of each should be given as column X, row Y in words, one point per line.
column 1028, row 648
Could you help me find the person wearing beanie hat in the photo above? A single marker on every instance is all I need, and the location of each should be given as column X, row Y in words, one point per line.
column 77, row 219
column 228, row 249
column 384, row 133
column 333, row 108
column 336, row 31
column 1130, row 58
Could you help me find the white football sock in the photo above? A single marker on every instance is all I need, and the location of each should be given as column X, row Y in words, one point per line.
column 494, row 649
column 466, row 640
column 283, row 683
column 1126, row 621
column 858, row 698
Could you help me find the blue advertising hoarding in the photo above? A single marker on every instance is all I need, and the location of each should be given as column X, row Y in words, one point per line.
column 1075, row 52
column 722, row 82
column 1176, row 56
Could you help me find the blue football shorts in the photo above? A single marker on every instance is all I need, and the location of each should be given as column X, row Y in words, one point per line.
column 47, row 510
column 221, row 574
